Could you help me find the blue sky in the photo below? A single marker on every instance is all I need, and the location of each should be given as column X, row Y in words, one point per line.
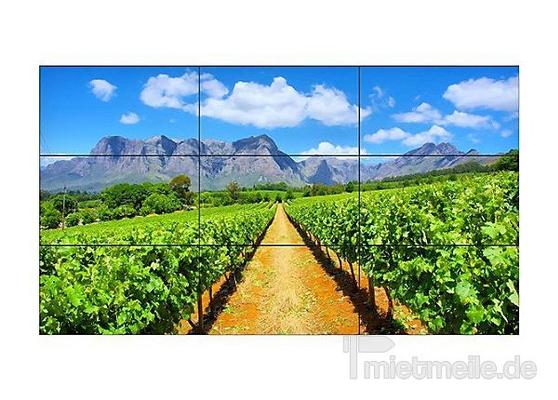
column 470, row 107
column 73, row 118
column 306, row 110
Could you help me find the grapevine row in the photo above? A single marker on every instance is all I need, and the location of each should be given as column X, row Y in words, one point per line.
column 404, row 240
column 141, row 289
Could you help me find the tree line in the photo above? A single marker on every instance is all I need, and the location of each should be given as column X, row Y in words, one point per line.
column 123, row 200
column 127, row 200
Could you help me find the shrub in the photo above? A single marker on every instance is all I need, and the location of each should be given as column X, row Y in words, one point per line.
column 104, row 213
column 88, row 216
column 73, row 219
column 50, row 216
column 124, row 193
column 64, row 203
column 181, row 187
column 508, row 162
column 157, row 203
column 89, row 204
column 233, row 188
column 125, row 211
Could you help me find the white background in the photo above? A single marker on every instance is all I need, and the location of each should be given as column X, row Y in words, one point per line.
column 266, row 32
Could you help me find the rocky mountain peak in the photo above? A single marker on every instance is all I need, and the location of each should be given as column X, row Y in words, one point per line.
column 161, row 142
column 447, row 149
column 110, row 145
column 425, row 149
column 256, row 145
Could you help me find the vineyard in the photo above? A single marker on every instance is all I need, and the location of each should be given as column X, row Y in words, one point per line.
column 110, row 288
column 446, row 250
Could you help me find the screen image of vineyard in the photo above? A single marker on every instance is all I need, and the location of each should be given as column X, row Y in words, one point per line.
column 279, row 200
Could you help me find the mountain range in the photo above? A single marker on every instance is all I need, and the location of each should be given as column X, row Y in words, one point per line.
column 255, row 159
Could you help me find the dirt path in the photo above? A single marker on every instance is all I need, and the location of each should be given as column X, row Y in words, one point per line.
column 285, row 290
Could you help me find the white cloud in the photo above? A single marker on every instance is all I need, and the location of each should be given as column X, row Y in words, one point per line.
column 423, row 113
column 330, row 106
column 383, row 135
column 466, row 120
column 505, row 133
column 130, row 118
column 171, row 92
column 511, row 116
column 331, row 149
column 435, row 134
column 165, row 91
column 379, row 99
column 212, row 87
column 485, row 93
column 281, row 105
column 103, row 90
column 250, row 103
